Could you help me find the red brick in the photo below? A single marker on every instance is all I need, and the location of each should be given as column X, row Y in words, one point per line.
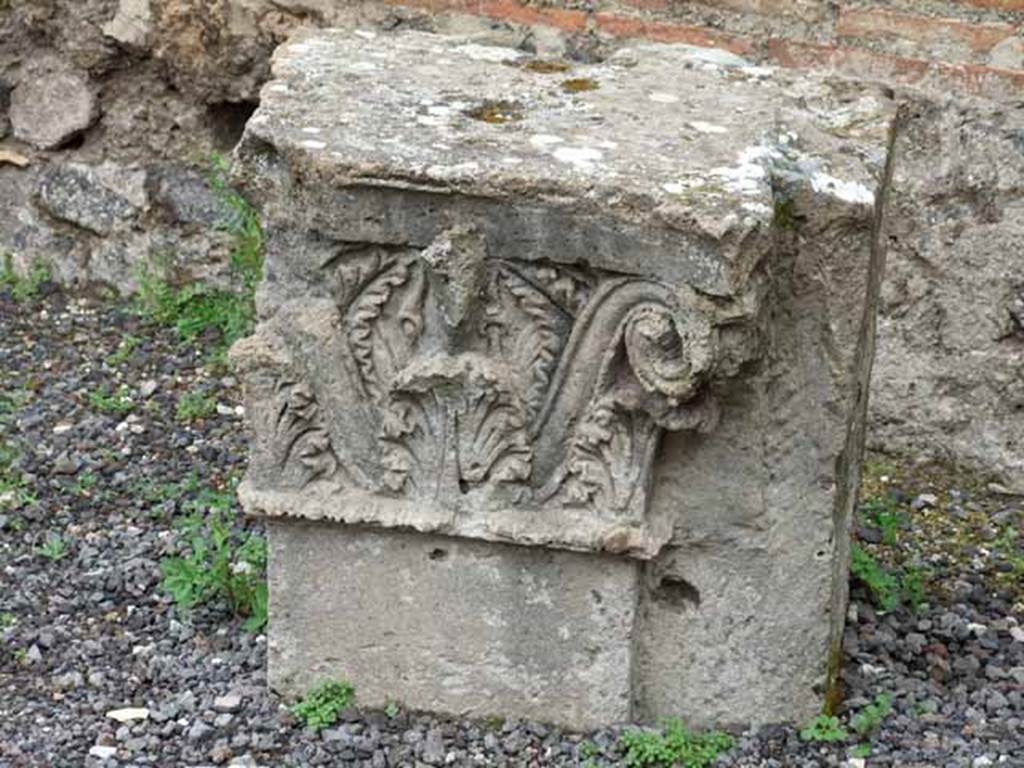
column 869, row 23
column 988, row 82
column 805, row 10
column 668, row 32
column 999, row 5
column 505, row 10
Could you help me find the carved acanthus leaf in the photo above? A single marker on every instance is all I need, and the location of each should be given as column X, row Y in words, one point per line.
column 381, row 341
column 451, row 425
column 610, row 457
column 300, row 438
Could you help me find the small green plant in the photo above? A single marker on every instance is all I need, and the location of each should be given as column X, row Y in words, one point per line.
column 912, row 587
column 154, row 493
column 589, row 749
column 862, row 751
column 124, row 350
column 27, row 287
column 824, row 728
column 194, row 406
column 322, row 705
column 242, row 222
column 21, row 655
column 13, row 401
column 7, row 620
column 120, row 401
column 884, row 587
column 54, row 548
column 196, row 309
column 884, row 513
column 674, row 746
column 14, row 490
column 391, row 709
column 85, row 483
column 219, row 562
column 867, row 721
column 1007, row 545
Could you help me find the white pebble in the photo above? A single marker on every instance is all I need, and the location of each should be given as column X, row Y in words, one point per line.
column 128, row 714
column 103, row 753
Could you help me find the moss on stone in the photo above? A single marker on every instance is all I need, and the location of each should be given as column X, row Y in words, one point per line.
column 579, row 85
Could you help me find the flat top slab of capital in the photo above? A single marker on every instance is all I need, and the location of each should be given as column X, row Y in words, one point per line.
column 675, row 134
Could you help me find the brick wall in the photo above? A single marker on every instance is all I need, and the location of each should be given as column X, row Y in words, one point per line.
column 972, row 46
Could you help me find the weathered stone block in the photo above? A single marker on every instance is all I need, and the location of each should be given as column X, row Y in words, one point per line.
column 569, row 325
column 454, row 625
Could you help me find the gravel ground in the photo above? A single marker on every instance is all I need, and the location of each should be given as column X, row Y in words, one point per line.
column 86, row 628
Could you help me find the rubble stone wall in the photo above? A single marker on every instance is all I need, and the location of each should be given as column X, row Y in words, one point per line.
column 110, row 111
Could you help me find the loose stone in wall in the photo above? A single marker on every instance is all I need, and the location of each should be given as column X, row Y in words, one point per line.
column 52, row 105
column 557, row 399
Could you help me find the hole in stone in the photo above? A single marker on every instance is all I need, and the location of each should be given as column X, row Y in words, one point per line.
column 438, row 554
column 677, row 591
column 598, row 597
column 496, row 112
column 463, row 487
column 75, row 142
column 226, row 120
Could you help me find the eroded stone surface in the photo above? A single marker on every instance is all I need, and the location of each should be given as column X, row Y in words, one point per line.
column 53, row 107
column 949, row 375
column 503, row 307
column 453, row 625
column 98, row 199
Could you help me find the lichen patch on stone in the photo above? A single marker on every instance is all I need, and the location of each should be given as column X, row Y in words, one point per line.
column 490, row 53
column 578, row 156
column 848, row 191
column 705, row 127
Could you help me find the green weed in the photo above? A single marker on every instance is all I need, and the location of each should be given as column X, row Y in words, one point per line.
column 13, row 401
column 913, row 587
column 85, row 483
column 1007, row 545
column 119, row 402
column 219, row 562
column 885, row 513
column 243, row 223
column 14, row 489
column 55, row 548
column 23, row 288
column 884, row 587
column 868, row 720
column 824, row 728
column 320, row 708
column 124, row 350
column 7, row 620
column 888, row 590
column 155, row 493
column 194, row 406
column 675, row 746
column 862, row 751
column 196, row 310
